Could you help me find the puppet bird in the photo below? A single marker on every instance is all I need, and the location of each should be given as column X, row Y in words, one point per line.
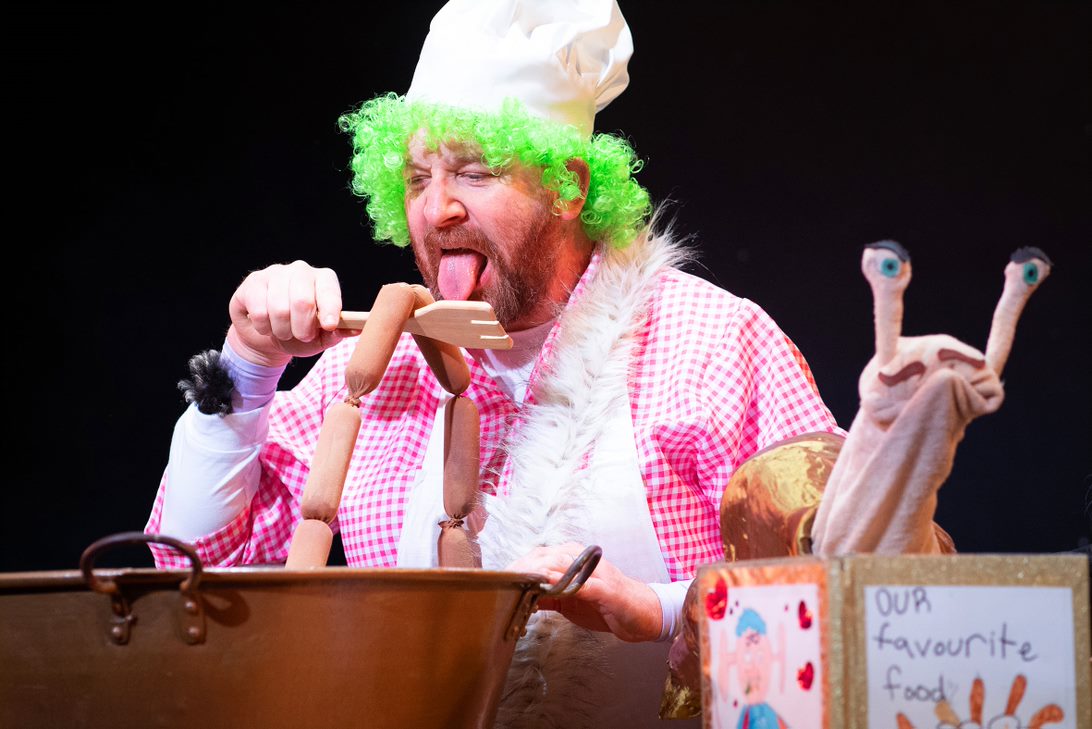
column 917, row 396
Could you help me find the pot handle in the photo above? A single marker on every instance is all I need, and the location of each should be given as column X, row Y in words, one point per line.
column 108, row 586
column 577, row 574
column 191, row 612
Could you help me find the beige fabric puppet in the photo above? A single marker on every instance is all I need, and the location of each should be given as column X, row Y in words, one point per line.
column 917, row 396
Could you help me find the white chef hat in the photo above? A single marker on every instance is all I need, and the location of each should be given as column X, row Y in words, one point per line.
column 563, row 59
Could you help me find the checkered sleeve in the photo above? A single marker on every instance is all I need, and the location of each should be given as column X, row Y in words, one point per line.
column 759, row 391
column 222, row 548
column 262, row 531
column 716, row 382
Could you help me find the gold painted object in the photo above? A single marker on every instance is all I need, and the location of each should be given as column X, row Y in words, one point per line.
column 772, row 497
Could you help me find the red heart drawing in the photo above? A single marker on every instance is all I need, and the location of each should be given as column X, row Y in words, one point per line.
column 716, row 600
column 805, row 675
column 804, row 615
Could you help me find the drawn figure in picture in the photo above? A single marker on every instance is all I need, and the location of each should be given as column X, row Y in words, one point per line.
column 1049, row 714
column 754, row 658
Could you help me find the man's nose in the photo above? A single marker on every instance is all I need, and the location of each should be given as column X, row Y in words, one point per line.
column 442, row 208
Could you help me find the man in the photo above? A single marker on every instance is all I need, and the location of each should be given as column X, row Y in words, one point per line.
column 632, row 393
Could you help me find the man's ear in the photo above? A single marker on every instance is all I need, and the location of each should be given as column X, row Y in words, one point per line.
column 571, row 209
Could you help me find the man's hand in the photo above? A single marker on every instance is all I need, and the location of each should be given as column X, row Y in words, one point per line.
column 285, row 311
column 608, row 601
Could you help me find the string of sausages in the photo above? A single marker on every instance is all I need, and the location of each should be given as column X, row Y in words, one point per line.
column 394, row 305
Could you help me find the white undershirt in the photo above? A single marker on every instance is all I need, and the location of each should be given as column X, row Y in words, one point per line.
column 511, row 368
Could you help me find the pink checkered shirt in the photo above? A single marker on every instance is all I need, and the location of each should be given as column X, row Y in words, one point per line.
column 713, row 381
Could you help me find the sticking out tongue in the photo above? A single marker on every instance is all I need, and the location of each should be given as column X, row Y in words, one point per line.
column 459, row 273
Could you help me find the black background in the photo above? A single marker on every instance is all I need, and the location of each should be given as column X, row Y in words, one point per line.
column 155, row 157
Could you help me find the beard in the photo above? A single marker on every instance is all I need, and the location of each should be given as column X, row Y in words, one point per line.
column 523, row 263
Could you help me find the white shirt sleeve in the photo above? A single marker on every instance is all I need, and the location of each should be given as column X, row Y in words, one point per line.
column 214, row 470
column 672, row 598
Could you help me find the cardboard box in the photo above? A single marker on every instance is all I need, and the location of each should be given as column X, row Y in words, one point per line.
column 999, row 641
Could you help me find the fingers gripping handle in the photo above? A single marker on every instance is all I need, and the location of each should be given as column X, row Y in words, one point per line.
column 577, row 574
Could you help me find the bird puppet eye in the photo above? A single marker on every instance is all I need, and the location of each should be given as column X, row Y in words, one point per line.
column 1031, row 273
column 890, row 267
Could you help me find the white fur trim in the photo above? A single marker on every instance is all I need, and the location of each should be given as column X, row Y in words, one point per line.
column 557, row 663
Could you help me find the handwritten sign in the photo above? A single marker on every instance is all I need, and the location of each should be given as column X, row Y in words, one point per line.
column 957, row 654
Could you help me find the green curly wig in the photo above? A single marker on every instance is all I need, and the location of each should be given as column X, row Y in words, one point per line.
column 616, row 209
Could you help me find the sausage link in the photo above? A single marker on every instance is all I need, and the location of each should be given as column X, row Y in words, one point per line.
column 456, row 548
column 462, row 432
column 446, row 362
column 422, row 296
column 444, row 359
column 310, row 545
column 322, row 492
column 393, row 306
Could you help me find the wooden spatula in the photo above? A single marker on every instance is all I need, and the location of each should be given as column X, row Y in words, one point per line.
column 470, row 324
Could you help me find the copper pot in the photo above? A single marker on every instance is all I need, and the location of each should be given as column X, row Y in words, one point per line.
column 261, row 646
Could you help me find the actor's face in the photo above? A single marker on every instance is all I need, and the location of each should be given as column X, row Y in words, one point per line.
column 483, row 236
